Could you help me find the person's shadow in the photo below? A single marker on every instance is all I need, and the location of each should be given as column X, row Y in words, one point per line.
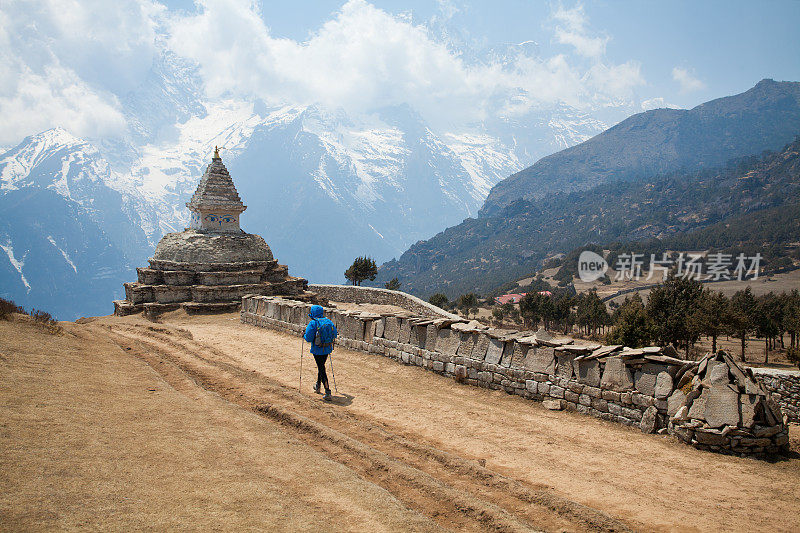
column 342, row 399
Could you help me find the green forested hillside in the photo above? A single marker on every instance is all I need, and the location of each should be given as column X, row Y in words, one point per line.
column 752, row 202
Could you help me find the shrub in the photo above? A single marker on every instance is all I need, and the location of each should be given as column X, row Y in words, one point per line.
column 7, row 307
column 45, row 320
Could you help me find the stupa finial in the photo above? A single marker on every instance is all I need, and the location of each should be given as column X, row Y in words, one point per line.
column 216, row 153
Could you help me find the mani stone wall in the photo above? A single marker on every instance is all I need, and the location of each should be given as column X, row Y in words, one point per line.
column 784, row 386
column 372, row 295
column 710, row 404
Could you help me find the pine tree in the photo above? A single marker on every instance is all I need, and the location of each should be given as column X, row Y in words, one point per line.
column 393, row 284
column 741, row 318
column 363, row 268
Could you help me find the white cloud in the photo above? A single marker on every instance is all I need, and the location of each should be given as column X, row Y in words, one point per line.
column 686, row 80
column 365, row 57
column 572, row 29
column 657, row 103
column 69, row 63
column 66, row 63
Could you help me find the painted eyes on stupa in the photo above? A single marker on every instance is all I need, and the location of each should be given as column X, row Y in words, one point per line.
column 220, row 219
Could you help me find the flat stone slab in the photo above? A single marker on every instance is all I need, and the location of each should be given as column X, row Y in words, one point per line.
column 448, row 341
column 722, row 406
column 494, row 352
column 541, row 359
column 564, row 368
column 481, row 347
column 663, row 385
column 675, row 401
column 645, row 381
column 553, row 405
column 589, row 372
column 616, row 375
column 391, row 330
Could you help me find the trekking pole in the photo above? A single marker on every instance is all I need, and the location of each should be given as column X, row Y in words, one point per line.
column 330, row 358
column 301, row 365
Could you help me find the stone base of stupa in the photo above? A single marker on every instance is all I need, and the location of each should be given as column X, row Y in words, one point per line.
column 189, row 270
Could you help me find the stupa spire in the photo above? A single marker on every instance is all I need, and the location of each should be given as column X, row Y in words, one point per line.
column 216, row 205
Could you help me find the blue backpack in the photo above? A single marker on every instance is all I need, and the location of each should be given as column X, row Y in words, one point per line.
column 324, row 337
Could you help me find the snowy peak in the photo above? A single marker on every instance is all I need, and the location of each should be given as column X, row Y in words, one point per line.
column 53, row 159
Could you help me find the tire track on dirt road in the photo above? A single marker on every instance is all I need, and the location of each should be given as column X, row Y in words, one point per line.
column 456, row 492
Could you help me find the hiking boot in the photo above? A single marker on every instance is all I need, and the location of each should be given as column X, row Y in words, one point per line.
column 317, row 387
column 327, row 396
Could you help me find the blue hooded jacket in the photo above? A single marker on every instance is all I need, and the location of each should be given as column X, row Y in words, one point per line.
column 311, row 330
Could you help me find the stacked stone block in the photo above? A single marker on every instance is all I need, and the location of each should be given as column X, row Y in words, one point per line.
column 650, row 388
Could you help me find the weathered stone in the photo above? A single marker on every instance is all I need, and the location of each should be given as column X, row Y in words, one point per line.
column 379, row 325
column 761, row 431
column 749, row 407
column 585, row 399
column 508, row 353
column 717, row 373
column 698, row 409
column 722, row 406
column 709, row 437
column 460, row 373
column 481, row 347
column 594, row 392
column 564, row 366
column 467, row 344
column 681, row 414
column 616, row 375
column 600, row 404
column 610, row 395
column 392, row 329
column 543, row 388
column 683, row 433
column 675, row 401
column 553, row 405
column 405, row 331
column 531, row 385
column 541, row 359
column 589, row 373
column 663, row 386
column 431, row 336
column 571, row 396
column 448, row 341
column 519, row 355
column 645, row 382
column 577, row 388
column 648, row 422
column 557, row 392
column 494, row 352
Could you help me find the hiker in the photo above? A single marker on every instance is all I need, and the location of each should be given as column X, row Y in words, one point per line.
column 320, row 334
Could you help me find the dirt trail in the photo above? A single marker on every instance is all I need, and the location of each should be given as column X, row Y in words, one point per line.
column 648, row 482
column 400, row 448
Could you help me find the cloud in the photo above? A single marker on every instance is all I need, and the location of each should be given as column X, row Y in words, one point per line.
column 686, row 80
column 67, row 63
column 572, row 29
column 364, row 58
column 71, row 63
column 657, row 103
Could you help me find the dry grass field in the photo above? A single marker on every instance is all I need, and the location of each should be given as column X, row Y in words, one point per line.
column 196, row 423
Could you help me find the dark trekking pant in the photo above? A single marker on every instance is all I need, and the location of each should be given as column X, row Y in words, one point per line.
column 322, row 377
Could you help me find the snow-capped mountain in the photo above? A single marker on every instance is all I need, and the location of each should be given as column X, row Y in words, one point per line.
column 69, row 229
column 322, row 186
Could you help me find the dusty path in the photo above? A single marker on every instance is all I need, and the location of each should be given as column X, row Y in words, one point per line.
column 424, row 451
column 92, row 437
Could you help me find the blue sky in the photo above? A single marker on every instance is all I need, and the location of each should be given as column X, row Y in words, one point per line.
column 727, row 45
column 454, row 62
